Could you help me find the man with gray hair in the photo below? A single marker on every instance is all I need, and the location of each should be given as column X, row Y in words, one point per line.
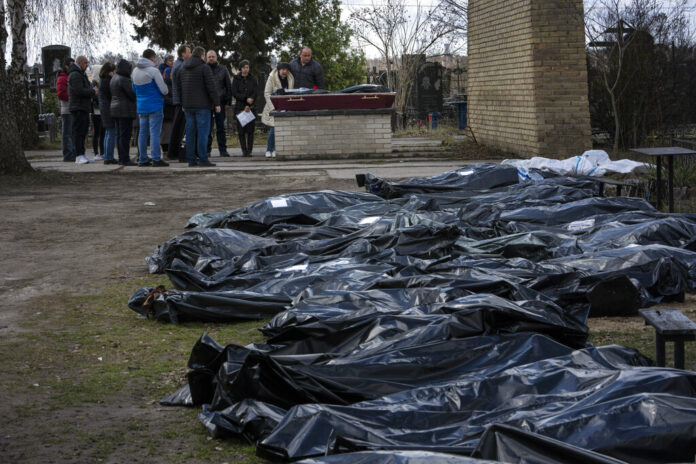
column 80, row 93
column 306, row 71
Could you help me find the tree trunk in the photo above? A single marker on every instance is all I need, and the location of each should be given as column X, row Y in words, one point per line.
column 25, row 108
column 617, row 123
column 12, row 159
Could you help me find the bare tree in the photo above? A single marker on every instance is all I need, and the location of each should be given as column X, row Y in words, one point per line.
column 404, row 35
column 84, row 19
column 24, row 109
column 611, row 28
column 12, row 160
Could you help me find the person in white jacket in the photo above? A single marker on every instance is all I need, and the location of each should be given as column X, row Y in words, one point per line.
column 280, row 78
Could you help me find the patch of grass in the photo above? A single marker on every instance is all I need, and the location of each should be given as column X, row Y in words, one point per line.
column 642, row 340
column 84, row 353
column 46, row 144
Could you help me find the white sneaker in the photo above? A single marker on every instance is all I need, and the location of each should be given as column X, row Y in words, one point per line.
column 97, row 158
column 268, row 154
column 273, row 153
column 82, row 159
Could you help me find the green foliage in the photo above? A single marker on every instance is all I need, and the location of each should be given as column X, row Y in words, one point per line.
column 50, row 103
column 235, row 29
column 317, row 24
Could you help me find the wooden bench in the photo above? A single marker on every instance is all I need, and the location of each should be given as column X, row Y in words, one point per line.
column 670, row 326
column 619, row 184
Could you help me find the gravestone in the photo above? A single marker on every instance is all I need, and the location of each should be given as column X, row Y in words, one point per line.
column 52, row 57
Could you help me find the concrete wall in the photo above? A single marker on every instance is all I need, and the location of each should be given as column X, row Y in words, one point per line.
column 339, row 133
column 527, row 86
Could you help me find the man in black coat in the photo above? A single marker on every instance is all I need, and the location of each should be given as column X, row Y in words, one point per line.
column 80, row 93
column 306, row 71
column 244, row 90
column 195, row 87
column 224, row 88
column 179, row 123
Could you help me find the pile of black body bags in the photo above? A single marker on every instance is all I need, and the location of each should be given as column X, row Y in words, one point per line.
column 436, row 320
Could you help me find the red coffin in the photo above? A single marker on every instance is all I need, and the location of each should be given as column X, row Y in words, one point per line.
column 333, row 101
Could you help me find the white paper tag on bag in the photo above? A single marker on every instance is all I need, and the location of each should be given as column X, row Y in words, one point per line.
column 279, row 203
column 581, row 225
column 296, row 267
column 369, row 220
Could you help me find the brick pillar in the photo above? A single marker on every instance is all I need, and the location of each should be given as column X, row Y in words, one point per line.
column 527, row 85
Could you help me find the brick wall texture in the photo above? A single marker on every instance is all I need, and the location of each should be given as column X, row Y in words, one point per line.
column 300, row 136
column 527, row 87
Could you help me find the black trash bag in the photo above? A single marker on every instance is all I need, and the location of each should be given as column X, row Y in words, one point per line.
column 552, row 397
column 511, row 444
column 181, row 397
column 210, row 244
column 248, row 419
column 570, row 212
column 282, row 282
column 224, row 306
column 307, row 208
column 285, row 380
column 365, row 88
column 396, row 457
column 332, row 330
column 475, row 177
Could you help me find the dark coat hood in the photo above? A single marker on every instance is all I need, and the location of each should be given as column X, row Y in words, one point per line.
column 124, row 68
column 192, row 62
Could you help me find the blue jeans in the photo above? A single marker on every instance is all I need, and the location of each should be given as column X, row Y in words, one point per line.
column 109, row 143
column 197, row 130
column 150, row 125
column 270, row 144
column 66, row 137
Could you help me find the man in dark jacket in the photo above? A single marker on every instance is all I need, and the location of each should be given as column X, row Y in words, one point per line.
column 195, row 87
column 66, row 139
column 123, row 110
column 306, row 71
column 80, row 93
column 179, row 122
column 224, row 89
column 244, row 90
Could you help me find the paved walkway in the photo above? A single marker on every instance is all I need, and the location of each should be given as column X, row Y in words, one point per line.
column 394, row 166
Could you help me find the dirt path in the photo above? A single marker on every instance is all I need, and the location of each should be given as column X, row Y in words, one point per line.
column 78, row 233
column 68, row 235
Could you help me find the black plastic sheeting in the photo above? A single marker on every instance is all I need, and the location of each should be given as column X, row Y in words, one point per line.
column 437, row 319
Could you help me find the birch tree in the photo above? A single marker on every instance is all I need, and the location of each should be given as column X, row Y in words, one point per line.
column 12, row 160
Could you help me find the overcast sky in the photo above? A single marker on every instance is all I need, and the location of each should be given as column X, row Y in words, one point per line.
column 118, row 39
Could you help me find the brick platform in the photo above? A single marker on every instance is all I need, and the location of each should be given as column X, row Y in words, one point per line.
column 527, row 83
column 332, row 133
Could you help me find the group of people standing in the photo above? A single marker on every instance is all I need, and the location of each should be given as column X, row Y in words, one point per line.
column 187, row 95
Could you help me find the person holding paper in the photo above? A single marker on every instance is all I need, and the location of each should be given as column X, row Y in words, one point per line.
column 244, row 89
